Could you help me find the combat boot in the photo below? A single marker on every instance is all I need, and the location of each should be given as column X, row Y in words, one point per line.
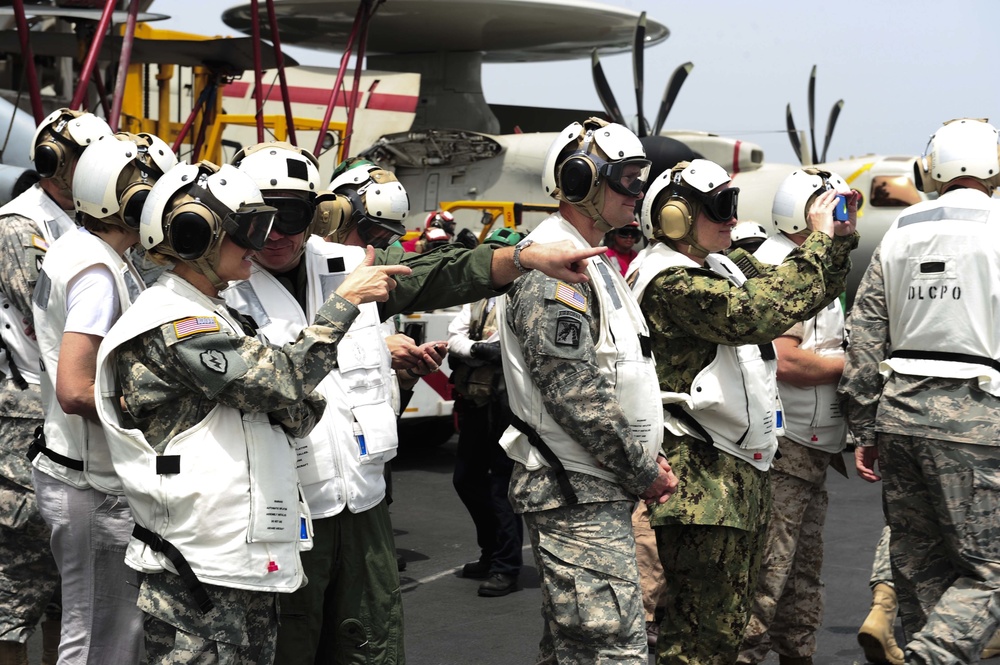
column 992, row 648
column 13, row 653
column 51, row 629
column 876, row 634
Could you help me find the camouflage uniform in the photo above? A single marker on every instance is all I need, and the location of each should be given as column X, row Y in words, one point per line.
column 881, row 566
column 710, row 535
column 168, row 390
column 585, row 553
column 938, row 442
column 788, row 606
column 28, row 576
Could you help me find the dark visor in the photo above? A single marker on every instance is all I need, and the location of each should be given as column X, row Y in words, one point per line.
column 379, row 233
column 294, row 214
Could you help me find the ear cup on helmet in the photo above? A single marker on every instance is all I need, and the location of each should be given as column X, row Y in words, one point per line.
column 675, row 218
column 49, row 157
column 133, row 199
column 191, row 231
column 577, row 176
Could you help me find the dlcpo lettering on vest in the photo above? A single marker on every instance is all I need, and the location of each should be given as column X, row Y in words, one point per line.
column 934, row 292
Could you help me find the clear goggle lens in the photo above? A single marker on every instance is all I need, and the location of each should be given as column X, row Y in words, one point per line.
column 627, row 178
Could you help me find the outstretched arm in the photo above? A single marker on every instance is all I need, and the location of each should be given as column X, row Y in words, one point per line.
column 560, row 260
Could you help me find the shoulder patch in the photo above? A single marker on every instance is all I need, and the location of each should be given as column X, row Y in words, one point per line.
column 39, row 242
column 568, row 328
column 570, row 297
column 194, row 325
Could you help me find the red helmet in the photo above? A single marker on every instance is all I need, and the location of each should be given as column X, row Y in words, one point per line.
column 441, row 219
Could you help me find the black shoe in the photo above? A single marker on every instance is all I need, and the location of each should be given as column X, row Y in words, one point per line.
column 652, row 634
column 477, row 570
column 498, row 585
column 400, row 562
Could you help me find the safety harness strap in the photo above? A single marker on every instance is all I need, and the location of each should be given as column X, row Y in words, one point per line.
column 38, row 446
column 561, row 476
column 158, row 544
column 946, row 356
column 15, row 373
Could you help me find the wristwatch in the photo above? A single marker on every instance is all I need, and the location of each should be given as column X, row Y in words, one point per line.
column 527, row 242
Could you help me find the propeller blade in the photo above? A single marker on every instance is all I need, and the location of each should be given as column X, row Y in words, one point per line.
column 812, row 111
column 834, row 114
column 637, row 70
column 670, row 94
column 793, row 134
column 604, row 90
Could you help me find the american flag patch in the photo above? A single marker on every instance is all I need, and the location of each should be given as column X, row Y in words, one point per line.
column 194, row 325
column 570, row 297
column 39, row 242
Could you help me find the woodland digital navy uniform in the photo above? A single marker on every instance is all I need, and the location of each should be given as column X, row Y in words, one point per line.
column 587, row 425
column 707, row 315
column 923, row 389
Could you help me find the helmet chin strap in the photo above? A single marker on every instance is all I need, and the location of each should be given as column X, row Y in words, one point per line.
column 691, row 240
column 593, row 208
column 206, row 265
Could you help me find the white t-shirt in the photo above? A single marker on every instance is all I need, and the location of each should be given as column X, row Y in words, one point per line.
column 92, row 302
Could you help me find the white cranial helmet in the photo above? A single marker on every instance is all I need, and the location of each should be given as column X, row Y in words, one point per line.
column 583, row 155
column 967, row 147
column 277, row 165
column 748, row 230
column 796, row 192
column 60, row 138
column 115, row 174
column 193, row 206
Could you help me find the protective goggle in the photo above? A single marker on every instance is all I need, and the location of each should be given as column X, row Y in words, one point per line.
column 719, row 207
column 294, row 215
column 630, row 232
column 628, row 177
column 250, row 225
column 378, row 233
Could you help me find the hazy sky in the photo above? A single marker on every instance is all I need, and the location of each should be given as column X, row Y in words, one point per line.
column 901, row 66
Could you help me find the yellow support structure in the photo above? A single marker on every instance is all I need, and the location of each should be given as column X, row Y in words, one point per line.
column 137, row 90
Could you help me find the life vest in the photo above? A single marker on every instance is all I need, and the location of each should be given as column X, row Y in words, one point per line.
column 75, row 450
column 224, row 493
column 621, row 358
column 812, row 413
column 734, row 399
column 51, row 221
column 941, row 266
column 341, row 462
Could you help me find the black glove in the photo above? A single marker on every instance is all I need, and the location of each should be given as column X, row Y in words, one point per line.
column 486, row 351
